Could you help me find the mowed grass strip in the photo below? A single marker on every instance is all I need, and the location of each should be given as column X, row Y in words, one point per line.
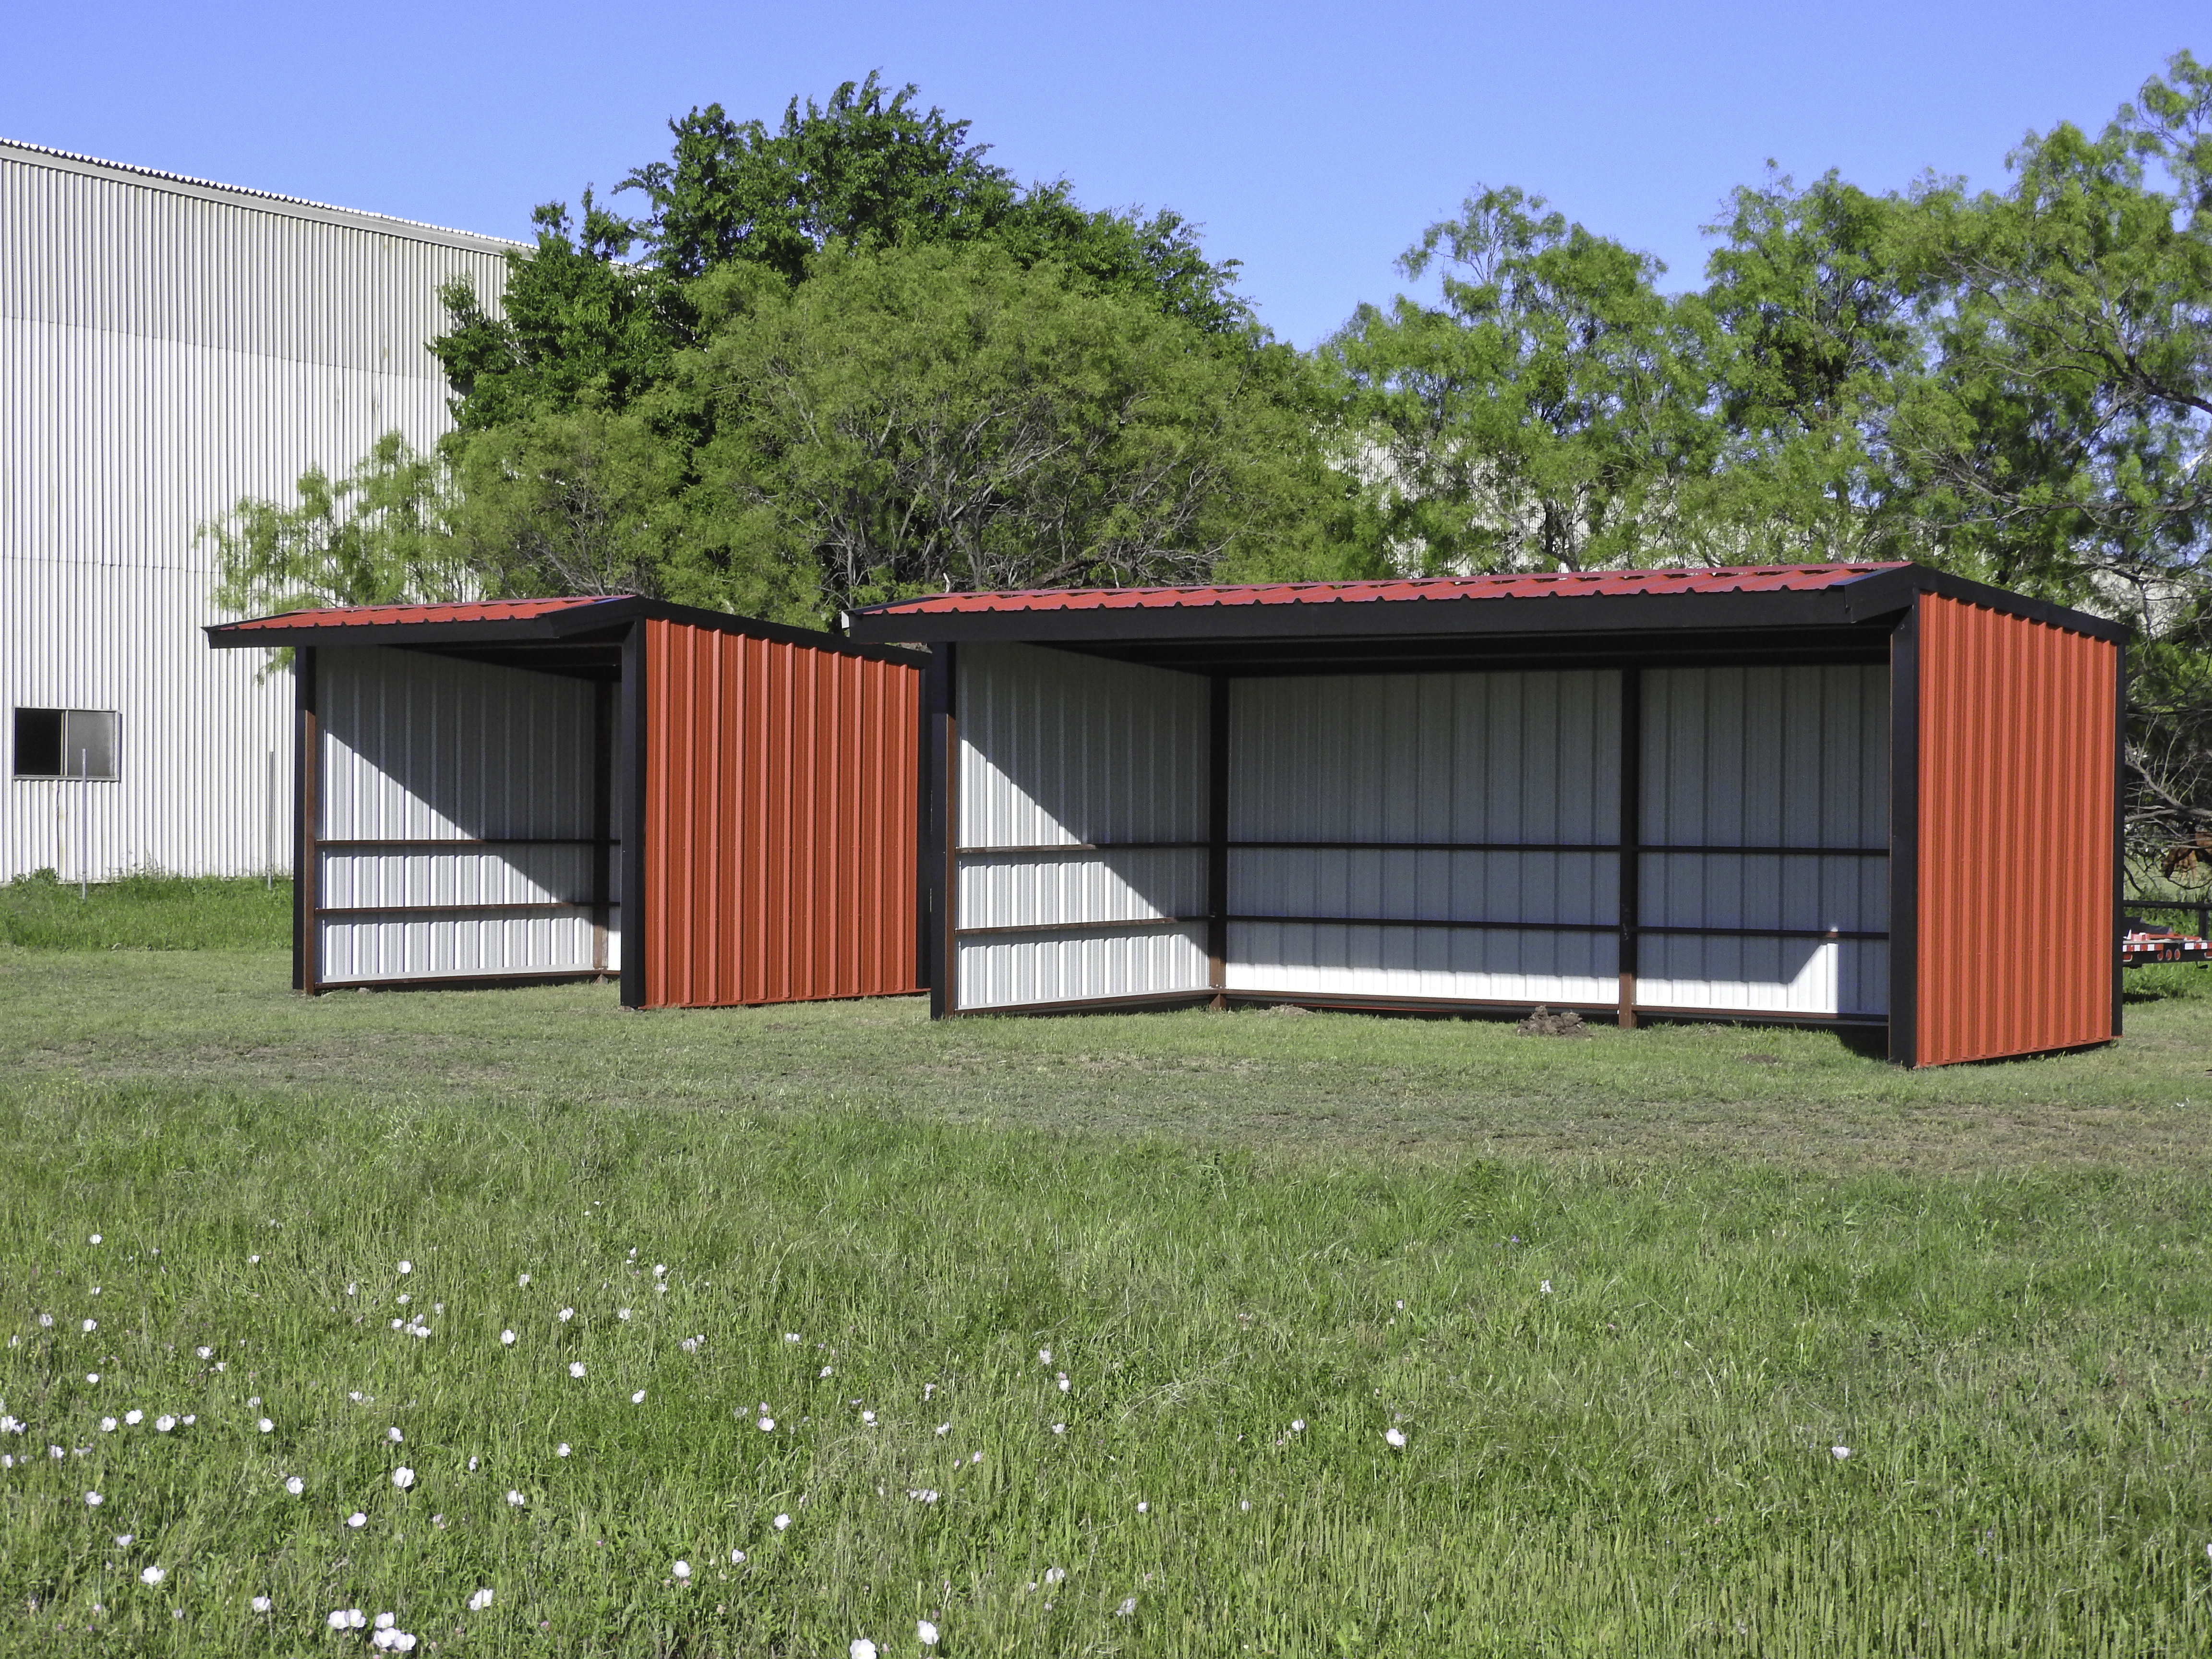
column 147, row 911
column 1622, row 1391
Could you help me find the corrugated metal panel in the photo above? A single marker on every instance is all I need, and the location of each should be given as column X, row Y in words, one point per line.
column 1567, row 584
column 1438, row 758
column 1058, row 750
column 164, row 350
column 433, row 748
column 780, row 821
column 1396, row 964
column 1801, row 976
column 2017, row 936
column 1766, row 757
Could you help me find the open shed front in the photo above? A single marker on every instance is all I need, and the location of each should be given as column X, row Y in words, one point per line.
column 1843, row 794
column 482, row 788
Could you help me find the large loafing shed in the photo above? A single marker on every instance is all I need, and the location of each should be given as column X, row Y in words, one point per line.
column 482, row 788
column 1850, row 794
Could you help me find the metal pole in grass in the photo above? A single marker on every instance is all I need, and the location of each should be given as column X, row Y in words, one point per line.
column 84, row 782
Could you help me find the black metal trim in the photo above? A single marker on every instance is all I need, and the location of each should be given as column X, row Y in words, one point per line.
column 1904, row 839
column 1430, row 1007
column 1216, row 835
column 451, row 843
column 940, row 759
column 636, row 929
column 1133, row 923
column 1085, row 846
column 603, row 819
column 306, row 776
column 471, row 982
column 1628, row 883
column 357, row 911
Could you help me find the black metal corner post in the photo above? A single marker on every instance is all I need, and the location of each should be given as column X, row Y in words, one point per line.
column 940, row 843
column 306, row 811
column 635, row 906
column 2119, row 826
column 1217, row 838
column 603, row 819
column 1904, row 839
column 1630, row 880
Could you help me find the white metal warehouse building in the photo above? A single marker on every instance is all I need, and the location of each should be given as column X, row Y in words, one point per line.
column 166, row 347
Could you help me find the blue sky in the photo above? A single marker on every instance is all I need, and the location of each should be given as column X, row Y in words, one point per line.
column 1314, row 143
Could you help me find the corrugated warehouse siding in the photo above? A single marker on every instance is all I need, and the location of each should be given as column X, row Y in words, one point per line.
column 1062, row 751
column 1490, row 759
column 1768, row 758
column 2017, row 935
column 780, row 821
column 167, row 347
column 491, row 773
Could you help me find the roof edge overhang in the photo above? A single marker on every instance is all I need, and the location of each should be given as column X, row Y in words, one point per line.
column 568, row 624
column 1872, row 601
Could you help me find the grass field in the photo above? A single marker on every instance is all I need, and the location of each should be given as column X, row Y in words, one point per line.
column 1624, row 1300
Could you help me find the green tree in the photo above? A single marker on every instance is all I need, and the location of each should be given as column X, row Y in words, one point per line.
column 1542, row 416
column 377, row 536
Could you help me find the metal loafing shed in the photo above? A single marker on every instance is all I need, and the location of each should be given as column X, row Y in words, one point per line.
column 1869, row 794
column 720, row 809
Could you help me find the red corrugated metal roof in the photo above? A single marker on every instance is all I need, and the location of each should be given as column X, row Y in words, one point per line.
column 374, row 615
column 1569, row 584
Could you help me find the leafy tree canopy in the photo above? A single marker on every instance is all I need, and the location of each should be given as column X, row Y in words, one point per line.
column 594, row 314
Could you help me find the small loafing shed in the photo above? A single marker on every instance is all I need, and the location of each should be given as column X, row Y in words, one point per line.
column 1846, row 794
column 721, row 810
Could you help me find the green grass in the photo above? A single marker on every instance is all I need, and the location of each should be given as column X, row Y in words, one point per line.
column 1989, row 1283
column 146, row 912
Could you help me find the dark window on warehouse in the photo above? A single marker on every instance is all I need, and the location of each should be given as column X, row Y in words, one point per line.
column 65, row 743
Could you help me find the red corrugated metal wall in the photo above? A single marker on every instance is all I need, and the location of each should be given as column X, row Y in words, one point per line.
column 2017, row 936
column 780, row 820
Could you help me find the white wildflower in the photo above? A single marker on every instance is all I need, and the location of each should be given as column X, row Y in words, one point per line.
column 781, row 1521
column 767, row 1424
column 682, row 1570
column 394, row 1435
column 1053, row 1575
column 481, row 1600
column 638, row 1399
column 1060, row 1428
column 91, row 1500
column 357, row 1520
column 1126, row 1607
column 402, row 1477
column 622, row 1313
column 862, row 1647
column 737, row 1558
column 1397, row 1437
column 791, row 1336
column 575, row 1368
column 506, row 1339
column 522, row 1281
column 294, row 1485
column 165, row 1422
column 107, row 1425
column 1144, row 1508
column 516, row 1500
column 95, row 1238
column 1297, row 1426
column 925, row 1632
column 150, row 1575
column 265, row 1426
column 347, row 1619
column 406, row 1267
column 660, row 1270
column 868, row 1418
column 385, row 1621
column 1840, row 1452
column 1044, row 1356
column 560, row 1451
column 945, row 1428
column 90, row 1326
column 261, row 1604
column 205, row 1352
column 567, row 1314
column 1545, row 1286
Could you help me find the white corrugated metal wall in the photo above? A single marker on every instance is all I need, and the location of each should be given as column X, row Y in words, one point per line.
column 166, row 347
column 460, row 800
column 1766, row 757
column 1474, row 763
column 1447, row 836
column 1063, row 751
